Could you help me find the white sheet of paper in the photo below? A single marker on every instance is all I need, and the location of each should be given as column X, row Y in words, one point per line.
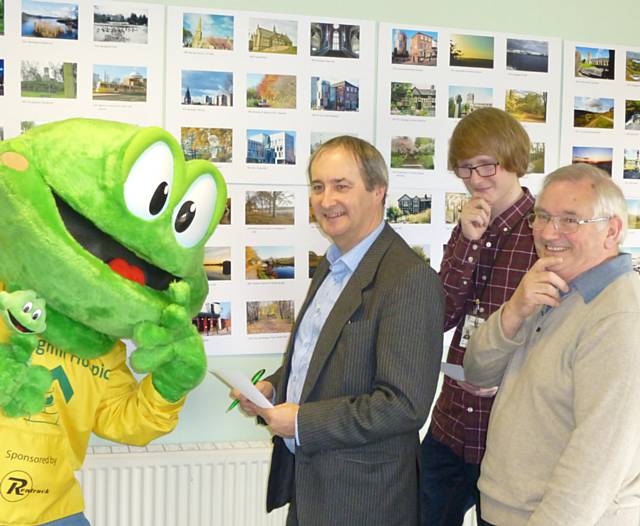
column 243, row 384
column 453, row 371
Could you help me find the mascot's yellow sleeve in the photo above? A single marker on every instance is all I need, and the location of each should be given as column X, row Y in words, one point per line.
column 39, row 454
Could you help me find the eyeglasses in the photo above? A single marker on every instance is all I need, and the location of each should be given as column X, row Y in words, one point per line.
column 483, row 170
column 562, row 224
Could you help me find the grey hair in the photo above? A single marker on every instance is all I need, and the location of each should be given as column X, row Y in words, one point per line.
column 609, row 201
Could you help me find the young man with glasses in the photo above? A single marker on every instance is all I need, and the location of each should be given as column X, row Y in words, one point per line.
column 490, row 250
column 562, row 446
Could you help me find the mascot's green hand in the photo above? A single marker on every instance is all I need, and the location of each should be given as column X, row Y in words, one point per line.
column 172, row 351
column 22, row 386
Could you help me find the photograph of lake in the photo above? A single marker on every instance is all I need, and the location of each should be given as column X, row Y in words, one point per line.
column 49, row 20
column 527, row 55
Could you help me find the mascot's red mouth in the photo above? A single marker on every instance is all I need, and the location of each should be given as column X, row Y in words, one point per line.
column 17, row 325
column 130, row 272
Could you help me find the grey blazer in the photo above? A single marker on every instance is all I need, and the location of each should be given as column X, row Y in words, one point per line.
column 368, row 391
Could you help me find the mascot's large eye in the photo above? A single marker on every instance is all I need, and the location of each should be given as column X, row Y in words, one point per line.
column 27, row 307
column 148, row 185
column 36, row 314
column 192, row 216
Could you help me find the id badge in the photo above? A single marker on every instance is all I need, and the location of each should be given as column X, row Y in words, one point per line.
column 471, row 323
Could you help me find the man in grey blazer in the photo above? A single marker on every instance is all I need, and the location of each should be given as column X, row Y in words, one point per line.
column 361, row 367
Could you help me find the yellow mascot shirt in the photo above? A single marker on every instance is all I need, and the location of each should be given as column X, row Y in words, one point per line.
column 39, row 454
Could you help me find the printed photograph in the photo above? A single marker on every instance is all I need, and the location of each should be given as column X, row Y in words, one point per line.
column 271, row 91
column 412, row 153
column 471, row 51
column 526, row 106
column 119, row 83
column 268, row 262
column 25, row 126
column 631, row 163
column 335, row 40
column 56, row 80
column 207, row 88
column 268, row 317
column 49, row 20
column 1, row 133
column 465, row 99
column 408, row 207
column 204, row 31
column 269, row 208
column 314, row 260
column 1, row 17
column 271, row 147
column 415, row 48
column 317, row 139
column 595, row 63
column 210, row 144
column 593, row 112
column 214, row 319
column 273, row 36
column 632, row 115
column 536, row 158
column 453, row 202
column 632, row 66
column 527, row 55
column 633, row 207
column 217, row 263
column 412, row 99
column 423, row 252
column 635, row 257
column 226, row 216
column 112, row 23
column 332, row 94
column 1, row 76
column 599, row 157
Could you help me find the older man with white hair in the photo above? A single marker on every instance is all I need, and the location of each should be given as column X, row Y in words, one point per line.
column 563, row 444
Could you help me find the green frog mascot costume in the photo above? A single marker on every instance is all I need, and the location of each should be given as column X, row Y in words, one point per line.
column 102, row 233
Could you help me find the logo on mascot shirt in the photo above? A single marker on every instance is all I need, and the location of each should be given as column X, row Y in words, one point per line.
column 18, row 485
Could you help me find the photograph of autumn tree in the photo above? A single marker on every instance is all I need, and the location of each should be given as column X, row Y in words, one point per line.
column 211, row 144
column 207, row 31
column 268, row 317
column 595, row 63
column 414, row 153
column 271, row 91
column 632, row 115
column 471, row 51
column 536, row 158
column 269, row 208
column 593, row 112
column 599, row 157
column 633, row 66
column 217, row 263
column 269, row 262
column 526, row 106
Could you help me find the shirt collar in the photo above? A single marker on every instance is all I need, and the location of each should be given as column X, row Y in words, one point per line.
column 510, row 218
column 593, row 281
column 352, row 258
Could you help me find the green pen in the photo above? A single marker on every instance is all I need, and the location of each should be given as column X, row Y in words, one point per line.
column 254, row 380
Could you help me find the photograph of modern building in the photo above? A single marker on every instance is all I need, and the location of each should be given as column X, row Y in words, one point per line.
column 596, row 156
column 632, row 66
column 595, row 63
column 632, row 115
column 335, row 40
column 112, row 23
column 119, row 83
column 335, row 94
column 418, row 100
column 271, row 91
column 527, row 55
column 210, row 144
column 203, row 31
column 412, row 153
column 465, row 99
column 271, row 146
column 471, row 51
column 416, row 48
column 631, row 163
column 273, row 36
column 207, row 88
column 593, row 112
column 49, row 20
column 48, row 79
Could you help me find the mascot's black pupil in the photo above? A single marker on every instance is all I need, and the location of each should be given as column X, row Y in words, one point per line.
column 185, row 216
column 158, row 199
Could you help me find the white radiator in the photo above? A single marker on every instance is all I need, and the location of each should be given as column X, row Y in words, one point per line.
column 213, row 484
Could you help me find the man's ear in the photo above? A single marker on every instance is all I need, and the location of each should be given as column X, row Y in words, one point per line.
column 614, row 228
column 380, row 191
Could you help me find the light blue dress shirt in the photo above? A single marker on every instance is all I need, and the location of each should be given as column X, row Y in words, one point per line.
column 341, row 268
